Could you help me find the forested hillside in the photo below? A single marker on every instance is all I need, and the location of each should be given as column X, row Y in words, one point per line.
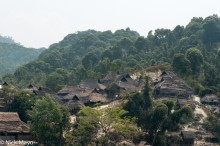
column 4, row 39
column 192, row 50
column 13, row 55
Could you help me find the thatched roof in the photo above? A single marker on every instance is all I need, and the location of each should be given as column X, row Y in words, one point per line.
column 185, row 102
column 170, row 85
column 68, row 89
column 187, row 134
column 92, row 84
column 96, row 97
column 210, row 98
column 11, row 123
column 9, row 117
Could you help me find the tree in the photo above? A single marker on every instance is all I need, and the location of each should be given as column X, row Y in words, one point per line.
column 158, row 116
column 211, row 30
column 146, row 94
column 8, row 93
column 55, row 81
column 48, row 121
column 110, row 121
column 23, row 101
column 140, row 43
column 180, row 63
column 90, row 60
column 169, row 104
column 125, row 43
column 195, row 57
column 140, row 104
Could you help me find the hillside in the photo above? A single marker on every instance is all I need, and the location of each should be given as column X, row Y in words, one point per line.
column 13, row 55
column 193, row 51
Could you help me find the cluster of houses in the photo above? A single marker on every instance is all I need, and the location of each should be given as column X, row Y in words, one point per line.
column 87, row 93
column 96, row 92
column 168, row 85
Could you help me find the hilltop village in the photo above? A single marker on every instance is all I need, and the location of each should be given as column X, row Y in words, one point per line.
column 113, row 91
column 115, row 88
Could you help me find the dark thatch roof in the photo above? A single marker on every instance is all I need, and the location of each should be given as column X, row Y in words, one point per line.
column 185, row 102
column 92, row 84
column 11, row 123
column 210, row 98
column 169, row 85
column 187, row 134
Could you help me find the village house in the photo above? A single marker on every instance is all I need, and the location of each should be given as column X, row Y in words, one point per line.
column 110, row 78
column 180, row 103
column 169, row 85
column 129, row 84
column 12, row 128
column 93, row 85
column 210, row 99
column 187, row 138
column 74, row 97
column 41, row 91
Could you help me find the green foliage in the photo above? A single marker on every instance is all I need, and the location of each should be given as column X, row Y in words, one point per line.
column 196, row 59
column 13, row 55
column 92, row 54
column 23, row 102
column 213, row 125
column 170, row 104
column 110, row 121
column 7, row 39
column 55, row 81
column 139, row 104
column 8, row 93
column 206, row 91
column 181, row 64
column 48, row 121
column 90, row 60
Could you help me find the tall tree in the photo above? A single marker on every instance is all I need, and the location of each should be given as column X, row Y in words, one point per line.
column 195, row 57
column 181, row 64
column 48, row 121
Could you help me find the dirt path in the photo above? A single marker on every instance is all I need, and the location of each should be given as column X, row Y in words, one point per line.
column 115, row 103
column 199, row 110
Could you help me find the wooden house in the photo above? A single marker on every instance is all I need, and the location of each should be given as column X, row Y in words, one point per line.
column 169, row 85
column 180, row 103
column 210, row 99
column 12, row 128
column 93, row 85
column 187, row 138
column 74, row 97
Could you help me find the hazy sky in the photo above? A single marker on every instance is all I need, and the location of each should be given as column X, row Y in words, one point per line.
column 39, row 23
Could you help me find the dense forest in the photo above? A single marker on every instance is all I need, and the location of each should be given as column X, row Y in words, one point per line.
column 192, row 52
column 13, row 55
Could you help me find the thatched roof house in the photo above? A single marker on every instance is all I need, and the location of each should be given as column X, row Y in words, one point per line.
column 12, row 128
column 210, row 99
column 75, row 96
column 92, row 84
column 187, row 138
column 180, row 103
column 169, row 85
column 130, row 84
